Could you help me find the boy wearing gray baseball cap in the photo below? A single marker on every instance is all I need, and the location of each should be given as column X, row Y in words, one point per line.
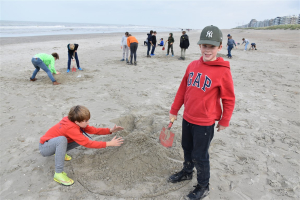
column 206, row 82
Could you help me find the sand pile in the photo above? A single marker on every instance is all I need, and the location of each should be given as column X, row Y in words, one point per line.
column 140, row 165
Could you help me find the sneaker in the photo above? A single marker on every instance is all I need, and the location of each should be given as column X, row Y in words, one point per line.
column 122, row 59
column 198, row 193
column 180, row 176
column 33, row 79
column 148, row 56
column 67, row 157
column 80, row 69
column 63, row 179
column 180, row 58
column 68, row 70
column 55, row 83
column 172, row 55
column 152, row 54
column 167, row 54
column 129, row 63
column 135, row 63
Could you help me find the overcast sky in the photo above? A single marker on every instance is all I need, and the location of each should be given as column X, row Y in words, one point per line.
column 181, row 14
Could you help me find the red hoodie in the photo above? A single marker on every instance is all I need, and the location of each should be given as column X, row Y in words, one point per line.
column 73, row 133
column 201, row 89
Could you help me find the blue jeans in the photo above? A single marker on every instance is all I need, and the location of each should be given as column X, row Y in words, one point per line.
column 195, row 143
column 38, row 63
column 246, row 45
column 153, row 49
column 229, row 50
column 58, row 146
column 69, row 60
column 149, row 46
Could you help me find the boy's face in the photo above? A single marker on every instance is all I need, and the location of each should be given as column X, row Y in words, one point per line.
column 209, row 52
column 82, row 124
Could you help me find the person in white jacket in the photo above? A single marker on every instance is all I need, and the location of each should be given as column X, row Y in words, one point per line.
column 125, row 47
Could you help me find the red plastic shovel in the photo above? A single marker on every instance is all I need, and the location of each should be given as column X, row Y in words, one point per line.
column 73, row 68
column 166, row 137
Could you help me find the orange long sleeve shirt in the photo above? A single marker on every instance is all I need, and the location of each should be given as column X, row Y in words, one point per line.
column 130, row 40
column 73, row 133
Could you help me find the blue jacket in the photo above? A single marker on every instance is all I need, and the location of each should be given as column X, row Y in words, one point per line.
column 231, row 42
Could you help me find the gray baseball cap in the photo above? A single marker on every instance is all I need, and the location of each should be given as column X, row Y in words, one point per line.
column 211, row 35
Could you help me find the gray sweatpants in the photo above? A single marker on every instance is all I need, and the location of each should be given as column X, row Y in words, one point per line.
column 58, row 146
column 125, row 50
column 183, row 53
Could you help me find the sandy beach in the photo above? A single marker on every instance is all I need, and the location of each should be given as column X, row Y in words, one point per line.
column 256, row 157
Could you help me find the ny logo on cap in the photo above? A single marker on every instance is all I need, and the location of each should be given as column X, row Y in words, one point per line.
column 209, row 34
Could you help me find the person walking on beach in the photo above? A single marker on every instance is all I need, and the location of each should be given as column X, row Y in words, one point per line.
column 206, row 82
column 72, row 52
column 246, row 43
column 230, row 44
column 132, row 43
column 184, row 44
column 47, row 63
column 125, row 47
column 149, row 43
column 70, row 133
column 170, row 44
column 153, row 43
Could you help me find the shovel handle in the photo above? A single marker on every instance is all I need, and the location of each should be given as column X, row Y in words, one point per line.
column 171, row 123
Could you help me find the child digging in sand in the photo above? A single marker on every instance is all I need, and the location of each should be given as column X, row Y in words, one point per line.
column 70, row 133
column 205, row 82
column 46, row 62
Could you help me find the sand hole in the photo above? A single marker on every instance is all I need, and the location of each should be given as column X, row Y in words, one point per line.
column 139, row 168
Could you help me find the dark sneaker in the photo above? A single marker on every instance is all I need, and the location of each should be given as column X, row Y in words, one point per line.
column 180, row 176
column 135, row 63
column 198, row 193
column 148, row 56
column 122, row 59
column 129, row 63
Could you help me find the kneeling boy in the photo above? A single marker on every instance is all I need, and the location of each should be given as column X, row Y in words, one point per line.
column 69, row 133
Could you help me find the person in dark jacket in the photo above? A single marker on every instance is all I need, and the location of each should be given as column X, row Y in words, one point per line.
column 170, row 44
column 153, row 43
column 149, row 44
column 230, row 44
column 184, row 44
column 72, row 52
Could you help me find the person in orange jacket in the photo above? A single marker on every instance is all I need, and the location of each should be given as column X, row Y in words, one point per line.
column 132, row 43
column 70, row 133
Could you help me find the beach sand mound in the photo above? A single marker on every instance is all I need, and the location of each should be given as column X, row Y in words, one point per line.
column 140, row 166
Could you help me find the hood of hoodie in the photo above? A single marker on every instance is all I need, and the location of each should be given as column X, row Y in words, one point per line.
column 219, row 62
column 171, row 34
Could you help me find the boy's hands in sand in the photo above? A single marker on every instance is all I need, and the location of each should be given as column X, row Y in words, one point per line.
column 172, row 116
column 220, row 127
column 115, row 142
column 57, row 72
column 116, row 128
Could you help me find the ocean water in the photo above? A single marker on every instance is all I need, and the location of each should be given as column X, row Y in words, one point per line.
column 22, row 28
